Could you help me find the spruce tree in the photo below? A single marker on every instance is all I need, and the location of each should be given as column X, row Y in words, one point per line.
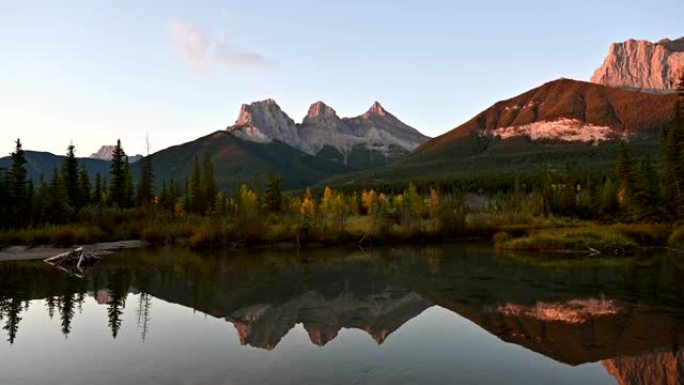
column 57, row 207
column 118, row 172
column 273, row 197
column 71, row 179
column 18, row 187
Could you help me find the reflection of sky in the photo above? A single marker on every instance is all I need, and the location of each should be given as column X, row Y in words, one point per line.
column 184, row 346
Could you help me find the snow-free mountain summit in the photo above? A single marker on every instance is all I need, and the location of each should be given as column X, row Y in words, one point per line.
column 372, row 138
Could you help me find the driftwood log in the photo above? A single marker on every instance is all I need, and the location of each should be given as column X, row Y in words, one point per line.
column 74, row 262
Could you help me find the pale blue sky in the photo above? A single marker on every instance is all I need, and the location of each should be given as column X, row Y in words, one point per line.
column 93, row 71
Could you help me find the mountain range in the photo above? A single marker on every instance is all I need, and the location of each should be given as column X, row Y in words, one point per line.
column 373, row 138
column 561, row 122
column 41, row 164
column 558, row 123
column 264, row 138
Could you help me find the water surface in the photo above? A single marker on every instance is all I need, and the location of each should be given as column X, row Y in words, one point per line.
column 439, row 315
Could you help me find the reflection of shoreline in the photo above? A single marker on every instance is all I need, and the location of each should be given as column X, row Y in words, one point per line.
column 553, row 312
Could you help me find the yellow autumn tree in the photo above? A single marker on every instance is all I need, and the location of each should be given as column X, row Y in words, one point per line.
column 433, row 203
column 369, row 201
column 308, row 206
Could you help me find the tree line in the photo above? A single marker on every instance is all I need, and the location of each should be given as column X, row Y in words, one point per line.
column 636, row 190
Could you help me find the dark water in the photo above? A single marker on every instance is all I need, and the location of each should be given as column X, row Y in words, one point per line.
column 453, row 314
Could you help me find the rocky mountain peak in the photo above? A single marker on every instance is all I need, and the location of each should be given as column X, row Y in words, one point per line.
column 264, row 121
column 105, row 153
column 320, row 111
column 642, row 65
column 376, row 132
column 259, row 112
column 673, row 45
column 376, row 109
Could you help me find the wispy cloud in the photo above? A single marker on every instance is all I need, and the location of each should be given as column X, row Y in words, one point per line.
column 204, row 51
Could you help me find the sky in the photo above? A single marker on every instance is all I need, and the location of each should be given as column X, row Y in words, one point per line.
column 90, row 72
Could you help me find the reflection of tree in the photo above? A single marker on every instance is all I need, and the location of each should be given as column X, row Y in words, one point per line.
column 144, row 304
column 11, row 308
column 66, row 312
column 118, row 290
column 50, row 304
column 80, row 300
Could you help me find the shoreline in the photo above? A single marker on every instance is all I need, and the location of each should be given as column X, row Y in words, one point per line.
column 26, row 253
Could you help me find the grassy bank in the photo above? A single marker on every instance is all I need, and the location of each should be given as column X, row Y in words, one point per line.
column 593, row 238
column 293, row 228
column 205, row 232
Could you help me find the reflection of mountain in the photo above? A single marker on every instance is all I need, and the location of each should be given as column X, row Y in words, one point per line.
column 648, row 369
column 628, row 316
column 572, row 335
column 264, row 325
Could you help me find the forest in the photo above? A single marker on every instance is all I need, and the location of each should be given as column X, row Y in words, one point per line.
column 639, row 203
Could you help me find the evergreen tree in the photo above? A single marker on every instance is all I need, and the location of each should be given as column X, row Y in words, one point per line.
column 645, row 200
column 18, row 187
column 40, row 202
column 118, row 172
column 57, row 207
column 71, row 179
column 273, row 196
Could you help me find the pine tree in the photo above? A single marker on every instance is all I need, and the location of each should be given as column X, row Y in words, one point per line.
column 57, row 207
column 273, row 198
column 40, row 202
column 70, row 177
column 18, row 186
column 117, row 187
